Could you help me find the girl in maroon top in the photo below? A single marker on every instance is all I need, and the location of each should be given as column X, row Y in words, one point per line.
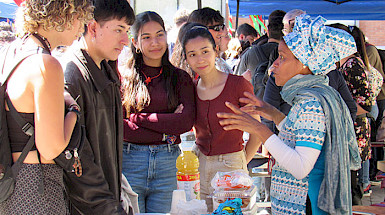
column 217, row 149
column 159, row 106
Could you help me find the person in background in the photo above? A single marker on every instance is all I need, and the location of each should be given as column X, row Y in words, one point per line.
column 91, row 77
column 305, row 178
column 233, row 53
column 6, row 34
column 214, row 21
column 252, row 58
column 159, row 105
column 289, row 20
column 372, row 60
column 36, row 91
column 246, row 32
column 353, row 69
column 177, row 58
column 217, row 149
column 180, row 18
column 377, row 152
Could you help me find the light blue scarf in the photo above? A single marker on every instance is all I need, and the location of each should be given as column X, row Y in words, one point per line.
column 341, row 149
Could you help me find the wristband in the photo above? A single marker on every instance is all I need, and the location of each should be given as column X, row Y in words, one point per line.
column 75, row 105
column 74, row 109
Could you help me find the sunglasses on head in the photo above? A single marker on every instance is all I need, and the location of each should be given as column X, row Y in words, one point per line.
column 351, row 28
column 217, row 27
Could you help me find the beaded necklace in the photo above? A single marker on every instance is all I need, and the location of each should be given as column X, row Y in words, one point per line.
column 149, row 79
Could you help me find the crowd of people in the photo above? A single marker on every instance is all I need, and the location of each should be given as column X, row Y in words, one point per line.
column 308, row 94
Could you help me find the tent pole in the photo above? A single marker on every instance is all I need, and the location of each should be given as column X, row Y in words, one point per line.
column 199, row 4
column 237, row 17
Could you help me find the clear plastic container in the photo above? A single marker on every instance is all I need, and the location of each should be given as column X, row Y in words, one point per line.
column 249, row 197
column 252, row 211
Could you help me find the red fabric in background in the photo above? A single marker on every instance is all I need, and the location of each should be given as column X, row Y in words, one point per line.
column 18, row 2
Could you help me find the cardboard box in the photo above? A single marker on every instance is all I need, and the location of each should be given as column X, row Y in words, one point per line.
column 381, row 165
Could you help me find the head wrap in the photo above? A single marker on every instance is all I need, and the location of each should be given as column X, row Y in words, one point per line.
column 318, row 46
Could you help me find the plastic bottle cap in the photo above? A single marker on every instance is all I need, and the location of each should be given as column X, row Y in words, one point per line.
column 187, row 148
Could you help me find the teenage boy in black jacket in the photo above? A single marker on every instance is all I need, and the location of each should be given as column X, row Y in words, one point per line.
column 90, row 77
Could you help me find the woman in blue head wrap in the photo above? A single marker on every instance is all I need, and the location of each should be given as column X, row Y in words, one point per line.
column 316, row 147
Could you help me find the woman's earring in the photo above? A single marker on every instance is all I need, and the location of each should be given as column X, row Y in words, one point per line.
column 304, row 67
column 137, row 51
column 93, row 39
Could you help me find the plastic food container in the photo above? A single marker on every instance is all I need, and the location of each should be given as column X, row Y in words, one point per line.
column 249, row 197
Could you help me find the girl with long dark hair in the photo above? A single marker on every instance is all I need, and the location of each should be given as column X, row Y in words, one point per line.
column 217, row 149
column 158, row 99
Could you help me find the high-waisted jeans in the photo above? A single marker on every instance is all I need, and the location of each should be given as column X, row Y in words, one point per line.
column 151, row 172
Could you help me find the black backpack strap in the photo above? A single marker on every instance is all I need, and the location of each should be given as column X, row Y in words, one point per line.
column 17, row 165
column 27, row 127
column 29, row 130
column 41, row 185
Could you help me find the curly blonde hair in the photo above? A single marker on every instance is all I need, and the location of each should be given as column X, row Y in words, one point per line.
column 52, row 14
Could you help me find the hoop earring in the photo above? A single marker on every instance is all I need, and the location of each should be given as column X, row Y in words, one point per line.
column 137, row 51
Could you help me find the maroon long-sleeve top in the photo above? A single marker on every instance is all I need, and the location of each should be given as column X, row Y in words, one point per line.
column 210, row 136
column 156, row 119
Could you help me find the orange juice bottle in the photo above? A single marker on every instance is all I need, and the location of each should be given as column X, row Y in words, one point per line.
column 188, row 174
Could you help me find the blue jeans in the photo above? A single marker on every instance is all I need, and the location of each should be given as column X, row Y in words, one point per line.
column 363, row 174
column 151, row 172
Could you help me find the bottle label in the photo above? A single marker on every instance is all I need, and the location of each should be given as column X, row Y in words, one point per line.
column 191, row 185
column 188, row 177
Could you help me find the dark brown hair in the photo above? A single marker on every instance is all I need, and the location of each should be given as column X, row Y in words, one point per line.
column 134, row 90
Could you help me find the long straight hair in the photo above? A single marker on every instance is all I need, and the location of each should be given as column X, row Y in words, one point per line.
column 134, row 91
column 359, row 37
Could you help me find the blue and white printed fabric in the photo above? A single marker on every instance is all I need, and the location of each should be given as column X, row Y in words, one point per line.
column 339, row 147
column 305, row 127
column 318, row 46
